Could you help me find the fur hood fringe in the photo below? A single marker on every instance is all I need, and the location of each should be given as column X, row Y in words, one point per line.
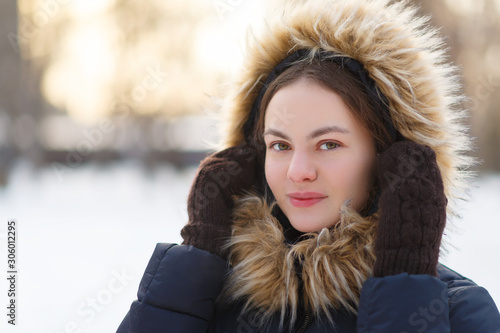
column 334, row 263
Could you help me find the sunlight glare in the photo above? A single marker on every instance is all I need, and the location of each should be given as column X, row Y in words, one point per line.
column 220, row 41
column 80, row 80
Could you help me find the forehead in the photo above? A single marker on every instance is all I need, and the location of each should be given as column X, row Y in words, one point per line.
column 307, row 104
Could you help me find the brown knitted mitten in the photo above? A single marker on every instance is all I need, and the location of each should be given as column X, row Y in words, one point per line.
column 412, row 210
column 210, row 203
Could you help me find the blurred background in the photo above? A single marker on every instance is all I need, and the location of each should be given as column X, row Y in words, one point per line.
column 106, row 109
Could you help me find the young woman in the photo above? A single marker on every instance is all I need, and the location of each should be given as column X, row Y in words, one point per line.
column 325, row 211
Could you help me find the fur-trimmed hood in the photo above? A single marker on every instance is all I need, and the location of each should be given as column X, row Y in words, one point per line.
column 403, row 55
column 406, row 60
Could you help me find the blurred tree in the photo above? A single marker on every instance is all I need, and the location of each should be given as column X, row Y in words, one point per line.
column 9, row 82
column 20, row 100
column 9, row 59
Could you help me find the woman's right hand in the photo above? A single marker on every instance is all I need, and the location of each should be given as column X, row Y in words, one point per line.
column 220, row 177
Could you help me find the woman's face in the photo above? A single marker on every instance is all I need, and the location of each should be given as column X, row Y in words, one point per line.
column 318, row 156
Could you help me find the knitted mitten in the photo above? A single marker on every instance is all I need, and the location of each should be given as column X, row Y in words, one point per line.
column 412, row 210
column 210, row 203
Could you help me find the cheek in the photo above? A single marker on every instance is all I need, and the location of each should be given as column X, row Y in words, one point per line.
column 352, row 177
column 273, row 174
column 362, row 177
column 276, row 169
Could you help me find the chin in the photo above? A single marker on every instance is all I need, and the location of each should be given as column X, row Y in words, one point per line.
column 307, row 226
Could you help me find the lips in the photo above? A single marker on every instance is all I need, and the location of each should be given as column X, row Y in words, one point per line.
column 305, row 199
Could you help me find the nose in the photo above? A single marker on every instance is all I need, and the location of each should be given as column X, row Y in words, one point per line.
column 301, row 168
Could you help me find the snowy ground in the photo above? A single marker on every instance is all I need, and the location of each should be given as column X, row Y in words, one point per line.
column 84, row 241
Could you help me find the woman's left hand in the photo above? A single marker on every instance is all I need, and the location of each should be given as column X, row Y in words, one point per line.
column 412, row 210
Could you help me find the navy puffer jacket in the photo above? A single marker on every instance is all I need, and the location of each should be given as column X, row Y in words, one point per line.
column 181, row 283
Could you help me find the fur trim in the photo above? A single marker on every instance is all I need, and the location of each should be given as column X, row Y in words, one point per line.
column 335, row 263
column 403, row 55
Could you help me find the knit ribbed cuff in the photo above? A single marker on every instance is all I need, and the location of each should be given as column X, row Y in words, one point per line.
column 409, row 260
column 206, row 237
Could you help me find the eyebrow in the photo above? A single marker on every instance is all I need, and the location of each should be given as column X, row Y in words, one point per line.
column 319, row 132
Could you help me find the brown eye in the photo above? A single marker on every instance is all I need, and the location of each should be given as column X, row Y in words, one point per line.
column 280, row 146
column 329, row 145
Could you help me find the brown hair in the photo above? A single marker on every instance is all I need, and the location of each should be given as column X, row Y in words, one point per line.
column 338, row 79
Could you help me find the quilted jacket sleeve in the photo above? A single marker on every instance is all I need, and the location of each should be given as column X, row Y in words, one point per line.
column 472, row 309
column 177, row 291
column 421, row 303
